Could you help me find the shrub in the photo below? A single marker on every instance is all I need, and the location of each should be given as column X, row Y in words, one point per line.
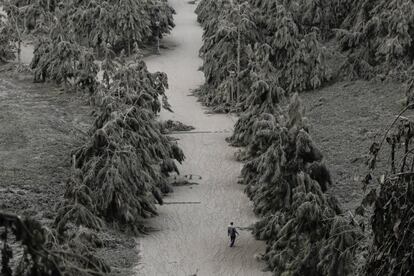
column 390, row 250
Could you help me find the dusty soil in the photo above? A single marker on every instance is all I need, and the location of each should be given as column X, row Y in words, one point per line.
column 40, row 126
column 345, row 119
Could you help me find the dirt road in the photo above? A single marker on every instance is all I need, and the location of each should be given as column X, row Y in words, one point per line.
column 192, row 238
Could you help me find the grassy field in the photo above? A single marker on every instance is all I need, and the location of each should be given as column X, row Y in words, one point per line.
column 40, row 126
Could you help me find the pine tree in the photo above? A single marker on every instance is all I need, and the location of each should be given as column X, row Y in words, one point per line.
column 377, row 36
column 59, row 57
column 298, row 57
column 123, row 166
column 30, row 248
column 324, row 15
column 231, row 29
column 14, row 14
column 300, row 223
column 304, row 228
column 225, row 56
column 7, row 47
column 120, row 23
column 108, row 66
column 161, row 15
column 86, row 72
column 263, row 98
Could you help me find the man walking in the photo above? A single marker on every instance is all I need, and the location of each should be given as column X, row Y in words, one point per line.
column 232, row 232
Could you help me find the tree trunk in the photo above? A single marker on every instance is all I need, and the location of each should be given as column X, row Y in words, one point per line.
column 19, row 51
column 65, row 85
column 238, row 65
column 19, row 39
column 407, row 142
column 107, row 75
column 231, row 91
column 393, row 157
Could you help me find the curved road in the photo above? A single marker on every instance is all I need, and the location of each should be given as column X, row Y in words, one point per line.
column 192, row 238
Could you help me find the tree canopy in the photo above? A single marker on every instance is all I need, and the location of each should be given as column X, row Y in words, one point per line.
column 233, row 28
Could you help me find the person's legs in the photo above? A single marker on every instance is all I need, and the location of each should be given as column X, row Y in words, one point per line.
column 233, row 239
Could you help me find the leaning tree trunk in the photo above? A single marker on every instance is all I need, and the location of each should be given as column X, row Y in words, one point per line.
column 19, row 39
column 129, row 46
column 238, row 64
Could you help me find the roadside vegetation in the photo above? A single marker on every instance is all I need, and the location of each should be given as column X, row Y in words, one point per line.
column 120, row 172
column 258, row 55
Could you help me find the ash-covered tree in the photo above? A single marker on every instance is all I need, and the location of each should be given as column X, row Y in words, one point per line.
column 304, row 229
column 108, row 66
column 121, row 170
column 86, row 72
column 7, row 47
column 326, row 15
column 58, row 57
column 16, row 28
column 262, row 99
column 30, row 17
column 94, row 23
column 208, row 13
column 65, row 63
column 55, row 60
column 120, row 23
column 132, row 23
column 225, row 57
column 162, row 20
column 286, row 178
column 298, row 58
column 29, row 248
column 377, row 36
column 297, row 54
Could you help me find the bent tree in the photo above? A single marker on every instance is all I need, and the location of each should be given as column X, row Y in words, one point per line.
column 305, row 230
column 7, row 47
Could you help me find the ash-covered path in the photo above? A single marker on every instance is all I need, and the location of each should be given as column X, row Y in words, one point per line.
column 192, row 238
